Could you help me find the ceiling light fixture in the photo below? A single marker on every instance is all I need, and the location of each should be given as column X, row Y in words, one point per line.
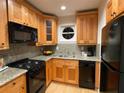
column 63, row 7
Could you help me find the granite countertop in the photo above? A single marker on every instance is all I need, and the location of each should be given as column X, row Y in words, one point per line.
column 10, row 74
column 46, row 58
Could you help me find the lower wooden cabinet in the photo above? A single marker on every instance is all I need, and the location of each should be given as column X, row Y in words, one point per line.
column 71, row 72
column 16, row 86
column 65, row 71
column 58, row 70
column 49, row 72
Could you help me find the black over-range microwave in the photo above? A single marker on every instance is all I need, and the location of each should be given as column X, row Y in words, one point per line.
column 20, row 33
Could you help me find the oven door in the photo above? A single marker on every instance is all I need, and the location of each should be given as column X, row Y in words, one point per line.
column 37, row 81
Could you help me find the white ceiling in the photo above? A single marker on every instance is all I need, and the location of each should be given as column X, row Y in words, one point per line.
column 53, row 6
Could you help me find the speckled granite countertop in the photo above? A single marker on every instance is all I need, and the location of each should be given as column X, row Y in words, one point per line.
column 46, row 58
column 10, row 74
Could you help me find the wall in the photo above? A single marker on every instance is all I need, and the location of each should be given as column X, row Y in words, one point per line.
column 19, row 51
column 101, row 23
column 64, row 21
column 102, row 17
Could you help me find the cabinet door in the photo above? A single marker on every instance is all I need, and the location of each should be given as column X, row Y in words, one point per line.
column 54, row 31
column 32, row 18
column 3, row 25
column 48, row 72
column 120, row 6
column 16, row 86
column 15, row 11
column 48, row 31
column 71, row 70
column 92, row 28
column 25, row 15
column 109, row 11
column 81, row 30
column 58, row 70
column 41, row 34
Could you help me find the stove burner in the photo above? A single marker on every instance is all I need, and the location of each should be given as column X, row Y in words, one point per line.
column 36, row 62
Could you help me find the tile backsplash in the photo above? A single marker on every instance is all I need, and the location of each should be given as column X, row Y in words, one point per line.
column 73, row 49
column 19, row 51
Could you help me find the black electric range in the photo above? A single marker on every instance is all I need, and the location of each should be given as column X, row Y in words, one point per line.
column 36, row 75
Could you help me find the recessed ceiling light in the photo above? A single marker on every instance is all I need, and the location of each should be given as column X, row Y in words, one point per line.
column 63, row 7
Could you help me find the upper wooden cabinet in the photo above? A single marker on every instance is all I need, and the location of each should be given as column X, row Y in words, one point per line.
column 120, row 6
column 32, row 19
column 87, row 28
column 20, row 12
column 50, row 30
column 113, row 9
column 40, row 30
column 15, row 11
column 4, row 44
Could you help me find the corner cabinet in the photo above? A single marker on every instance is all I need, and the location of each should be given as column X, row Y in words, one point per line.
column 4, row 44
column 87, row 28
column 113, row 9
column 16, row 86
column 50, row 30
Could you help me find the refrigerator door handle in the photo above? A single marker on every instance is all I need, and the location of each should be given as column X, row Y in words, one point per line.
column 110, row 67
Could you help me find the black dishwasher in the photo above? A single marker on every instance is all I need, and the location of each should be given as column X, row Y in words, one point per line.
column 87, row 74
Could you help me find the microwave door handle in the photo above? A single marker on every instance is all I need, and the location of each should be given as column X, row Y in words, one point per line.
column 110, row 67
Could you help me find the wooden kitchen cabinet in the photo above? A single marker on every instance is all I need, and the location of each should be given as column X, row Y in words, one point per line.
column 49, row 71
column 71, row 72
column 40, row 30
column 21, row 12
column 15, row 11
column 120, row 6
column 16, row 86
column 50, row 30
column 113, row 9
column 97, row 75
column 25, row 15
column 65, row 71
column 87, row 28
column 32, row 19
column 58, row 70
column 4, row 44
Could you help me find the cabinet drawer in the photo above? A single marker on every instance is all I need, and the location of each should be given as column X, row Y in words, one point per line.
column 58, row 61
column 71, row 63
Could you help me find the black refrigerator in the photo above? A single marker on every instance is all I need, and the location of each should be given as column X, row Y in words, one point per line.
column 112, row 66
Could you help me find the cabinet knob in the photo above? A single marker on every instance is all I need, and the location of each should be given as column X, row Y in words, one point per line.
column 112, row 15
column 22, row 87
column 2, row 43
column 14, row 83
